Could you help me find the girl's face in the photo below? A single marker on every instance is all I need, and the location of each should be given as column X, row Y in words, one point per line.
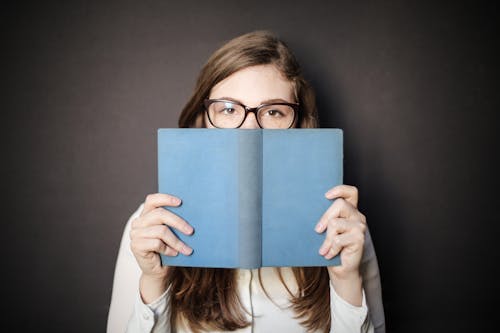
column 253, row 86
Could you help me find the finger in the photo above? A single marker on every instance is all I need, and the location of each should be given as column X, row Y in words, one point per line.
column 335, row 227
column 171, row 252
column 166, row 235
column 325, row 247
column 146, row 247
column 156, row 200
column 362, row 217
column 338, row 243
column 349, row 193
column 162, row 216
column 339, row 208
column 353, row 225
column 351, row 241
column 338, row 225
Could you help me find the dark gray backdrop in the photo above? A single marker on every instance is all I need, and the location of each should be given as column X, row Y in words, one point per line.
column 85, row 85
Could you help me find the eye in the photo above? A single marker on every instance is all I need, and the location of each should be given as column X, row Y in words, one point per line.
column 274, row 113
column 227, row 110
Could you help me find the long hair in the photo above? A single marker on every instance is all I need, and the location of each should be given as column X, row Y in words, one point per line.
column 207, row 298
column 252, row 49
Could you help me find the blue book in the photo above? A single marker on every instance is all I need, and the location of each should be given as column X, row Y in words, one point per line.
column 253, row 197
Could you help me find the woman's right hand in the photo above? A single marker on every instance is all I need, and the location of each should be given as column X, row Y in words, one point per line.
column 150, row 235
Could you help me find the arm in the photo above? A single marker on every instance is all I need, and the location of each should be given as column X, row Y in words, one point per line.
column 125, row 282
column 127, row 305
column 139, row 290
column 348, row 235
column 151, row 318
column 344, row 315
column 347, row 317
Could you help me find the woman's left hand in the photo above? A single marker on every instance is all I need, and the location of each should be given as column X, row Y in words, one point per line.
column 345, row 229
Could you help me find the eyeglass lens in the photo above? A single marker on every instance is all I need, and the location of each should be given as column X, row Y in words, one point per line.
column 230, row 115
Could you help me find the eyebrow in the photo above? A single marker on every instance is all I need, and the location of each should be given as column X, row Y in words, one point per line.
column 267, row 101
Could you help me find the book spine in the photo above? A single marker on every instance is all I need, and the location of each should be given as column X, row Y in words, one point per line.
column 250, row 198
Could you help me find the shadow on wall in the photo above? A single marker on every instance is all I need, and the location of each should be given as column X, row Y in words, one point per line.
column 379, row 198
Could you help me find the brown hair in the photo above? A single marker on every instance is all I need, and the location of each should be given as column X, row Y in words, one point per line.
column 207, row 298
column 252, row 49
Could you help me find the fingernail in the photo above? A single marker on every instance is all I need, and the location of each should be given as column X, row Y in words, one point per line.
column 186, row 250
column 318, row 227
column 331, row 192
column 322, row 250
column 188, row 230
column 177, row 201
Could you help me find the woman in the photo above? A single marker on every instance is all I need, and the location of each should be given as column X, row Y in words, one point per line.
column 234, row 90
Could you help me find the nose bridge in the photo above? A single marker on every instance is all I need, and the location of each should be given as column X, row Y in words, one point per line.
column 255, row 111
column 251, row 119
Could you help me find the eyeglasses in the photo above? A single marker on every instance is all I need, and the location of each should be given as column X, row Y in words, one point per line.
column 229, row 114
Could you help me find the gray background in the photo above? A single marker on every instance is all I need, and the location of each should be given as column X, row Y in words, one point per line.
column 86, row 84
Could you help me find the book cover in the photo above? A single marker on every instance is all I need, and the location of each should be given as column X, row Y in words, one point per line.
column 252, row 196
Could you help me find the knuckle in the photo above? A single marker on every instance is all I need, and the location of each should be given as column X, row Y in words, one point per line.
column 133, row 247
column 132, row 234
column 155, row 211
column 355, row 190
column 160, row 230
column 150, row 197
column 135, row 222
column 157, row 245
column 345, row 207
column 346, row 224
column 360, row 237
column 338, row 225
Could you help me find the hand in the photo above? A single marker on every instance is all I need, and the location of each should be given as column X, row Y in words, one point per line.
column 345, row 229
column 150, row 234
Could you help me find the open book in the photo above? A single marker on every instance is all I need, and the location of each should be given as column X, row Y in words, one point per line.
column 253, row 197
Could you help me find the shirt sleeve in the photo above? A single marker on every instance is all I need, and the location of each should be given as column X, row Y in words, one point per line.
column 150, row 318
column 127, row 312
column 371, row 283
column 125, row 283
column 347, row 317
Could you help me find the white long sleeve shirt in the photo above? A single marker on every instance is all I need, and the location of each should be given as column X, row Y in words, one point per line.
column 129, row 313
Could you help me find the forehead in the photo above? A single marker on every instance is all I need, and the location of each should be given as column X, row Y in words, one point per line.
column 255, row 84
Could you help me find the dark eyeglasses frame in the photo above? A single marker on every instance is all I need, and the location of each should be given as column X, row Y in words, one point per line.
column 207, row 102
